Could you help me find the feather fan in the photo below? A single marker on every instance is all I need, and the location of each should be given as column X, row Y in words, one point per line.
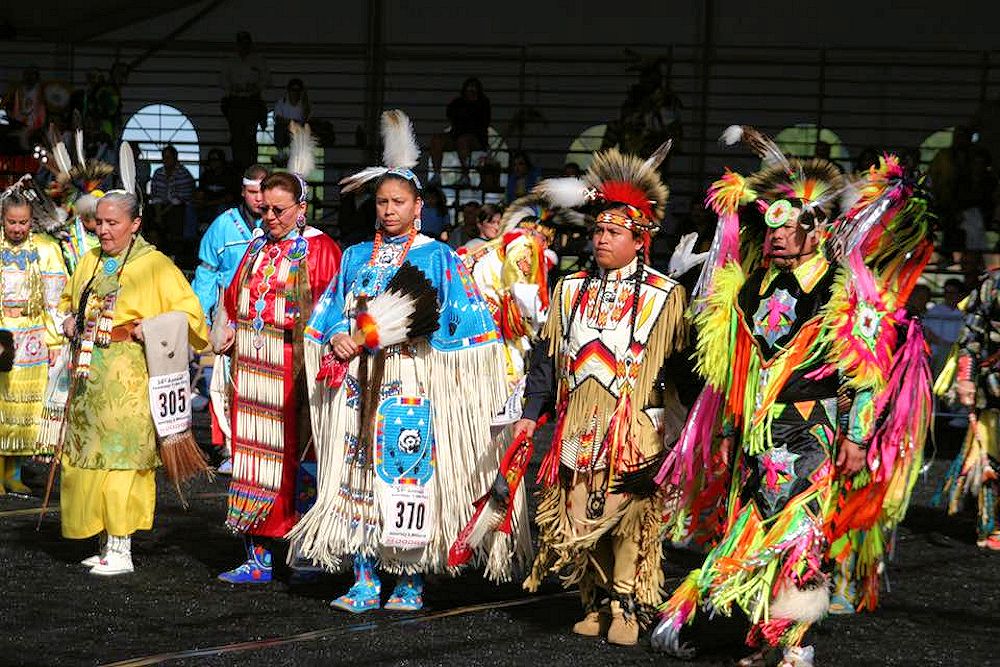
column 406, row 310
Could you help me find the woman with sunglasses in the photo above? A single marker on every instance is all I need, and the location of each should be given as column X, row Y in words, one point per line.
column 286, row 268
column 403, row 440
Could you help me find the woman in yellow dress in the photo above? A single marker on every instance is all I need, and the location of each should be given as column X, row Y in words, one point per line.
column 109, row 454
column 32, row 276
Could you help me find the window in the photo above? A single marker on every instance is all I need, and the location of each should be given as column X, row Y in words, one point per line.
column 582, row 149
column 156, row 125
column 930, row 146
column 800, row 141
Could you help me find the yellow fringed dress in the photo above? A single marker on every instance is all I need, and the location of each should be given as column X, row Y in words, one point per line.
column 32, row 277
column 109, row 458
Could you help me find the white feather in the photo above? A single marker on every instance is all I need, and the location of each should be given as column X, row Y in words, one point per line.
column 126, row 167
column 391, row 312
column 301, row 150
column 732, row 135
column 399, row 145
column 79, row 148
column 61, row 156
column 654, row 161
column 356, row 181
column 563, row 192
column 805, row 606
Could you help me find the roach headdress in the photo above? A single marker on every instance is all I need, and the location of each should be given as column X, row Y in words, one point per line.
column 626, row 189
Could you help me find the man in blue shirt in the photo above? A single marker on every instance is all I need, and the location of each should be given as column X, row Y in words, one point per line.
column 221, row 250
column 225, row 241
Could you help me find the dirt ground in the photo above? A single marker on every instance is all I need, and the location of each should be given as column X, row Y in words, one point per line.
column 942, row 608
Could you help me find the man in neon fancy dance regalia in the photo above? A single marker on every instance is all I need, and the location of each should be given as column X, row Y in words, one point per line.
column 220, row 252
column 267, row 306
column 604, row 363
column 973, row 378
column 408, row 426
column 796, row 340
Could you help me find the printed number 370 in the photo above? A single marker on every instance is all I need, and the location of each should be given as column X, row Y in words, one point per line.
column 409, row 515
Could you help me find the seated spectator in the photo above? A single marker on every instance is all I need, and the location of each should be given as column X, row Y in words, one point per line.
column 572, row 170
column 469, row 115
column 523, row 176
column 434, row 218
column 487, row 226
column 293, row 106
column 920, row 297
column 942, row 323
column 217, row 187
column 171, row 193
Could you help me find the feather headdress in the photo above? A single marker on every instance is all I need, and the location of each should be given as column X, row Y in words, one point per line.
column 400, row 153
column 45, row 214
column 540, row 213
column 84, row 177
column 301, row 155
column 616, row 180
column 816, row 182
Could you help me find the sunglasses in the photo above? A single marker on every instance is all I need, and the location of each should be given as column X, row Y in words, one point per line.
column 278, row 212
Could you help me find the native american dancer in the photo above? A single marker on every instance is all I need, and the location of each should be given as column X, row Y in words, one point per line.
column 972, row 376
column 75, row 190
column 118, row 298
column 267, row 306
column 511, row 272
column 81, row 237
column 221, row 250
column 403, row 433
column 32, row 278
column 602, row 363
column 801, row 322
column 870, row 507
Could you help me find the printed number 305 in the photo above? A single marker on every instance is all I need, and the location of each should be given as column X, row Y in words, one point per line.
column 409, row 515
column 173, row 402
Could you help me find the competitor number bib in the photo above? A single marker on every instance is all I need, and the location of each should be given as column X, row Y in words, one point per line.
column 170, row 403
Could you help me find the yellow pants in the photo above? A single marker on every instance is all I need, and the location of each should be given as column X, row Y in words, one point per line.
column 118, row 502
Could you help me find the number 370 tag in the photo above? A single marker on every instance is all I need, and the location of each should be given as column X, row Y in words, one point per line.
column 407, row 516
column 170, row 403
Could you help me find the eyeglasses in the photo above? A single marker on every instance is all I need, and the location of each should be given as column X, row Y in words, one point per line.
column 278, row 212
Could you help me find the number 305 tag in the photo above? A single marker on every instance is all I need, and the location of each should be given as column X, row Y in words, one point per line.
column 170, row 403
column 407, row 516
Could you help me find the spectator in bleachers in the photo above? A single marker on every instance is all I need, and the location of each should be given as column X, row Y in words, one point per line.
column 963, row 185
column 942, row 323
column 522, row 177
column 920, row 297
column 465, row 227
column 171, row 193
column 218, row 187
column 487, row 226
column 293, row 106
column 244, row 78
column 572, row 170
column 434, row 218
column 26, row 106
column 868, row 157
column 470, row 116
